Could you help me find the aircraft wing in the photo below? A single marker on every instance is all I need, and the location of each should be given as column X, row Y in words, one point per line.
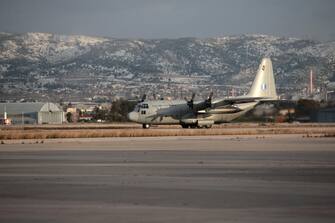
column 236, row 100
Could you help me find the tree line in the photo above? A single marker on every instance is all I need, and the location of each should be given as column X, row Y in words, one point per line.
column 117, row 112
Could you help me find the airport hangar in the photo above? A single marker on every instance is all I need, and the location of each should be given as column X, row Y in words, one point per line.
column 32, row 113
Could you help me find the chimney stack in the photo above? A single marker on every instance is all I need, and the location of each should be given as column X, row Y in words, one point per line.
column 311, row 82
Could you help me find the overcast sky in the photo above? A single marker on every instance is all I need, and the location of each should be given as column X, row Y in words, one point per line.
column 171, row 18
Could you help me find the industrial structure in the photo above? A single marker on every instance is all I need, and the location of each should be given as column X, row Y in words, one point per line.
column 31, row 113
column 311, row 87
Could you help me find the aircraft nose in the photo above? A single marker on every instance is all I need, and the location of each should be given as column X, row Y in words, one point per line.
column 133, row 116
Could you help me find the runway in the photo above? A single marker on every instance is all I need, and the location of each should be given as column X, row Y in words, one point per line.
column 135, row 130
column 286, row 178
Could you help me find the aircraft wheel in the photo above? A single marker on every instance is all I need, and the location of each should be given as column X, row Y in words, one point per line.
column 146, row 126
column 184, row 126
column 193, row 126
column 208, row 126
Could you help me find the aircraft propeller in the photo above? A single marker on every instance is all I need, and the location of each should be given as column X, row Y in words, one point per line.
column 203, row 105
column 190, row 102
column 208, row 101
column 143, row 98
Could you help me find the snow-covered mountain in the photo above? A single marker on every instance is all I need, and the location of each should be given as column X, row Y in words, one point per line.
column 74, row 67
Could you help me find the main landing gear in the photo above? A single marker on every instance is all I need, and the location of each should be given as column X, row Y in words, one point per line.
column 193, row 126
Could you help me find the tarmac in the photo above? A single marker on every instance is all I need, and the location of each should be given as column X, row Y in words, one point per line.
column 276, row 178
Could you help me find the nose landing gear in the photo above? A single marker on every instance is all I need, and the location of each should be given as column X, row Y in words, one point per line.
column 146, row 126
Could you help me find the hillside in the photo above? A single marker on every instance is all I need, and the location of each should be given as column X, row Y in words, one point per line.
column 45, row 66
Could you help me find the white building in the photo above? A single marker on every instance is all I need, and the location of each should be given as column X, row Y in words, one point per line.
column 32, row 113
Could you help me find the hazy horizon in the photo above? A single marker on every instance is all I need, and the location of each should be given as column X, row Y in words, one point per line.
column 159, row 19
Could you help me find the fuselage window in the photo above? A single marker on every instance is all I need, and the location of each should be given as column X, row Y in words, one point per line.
column 143, row 112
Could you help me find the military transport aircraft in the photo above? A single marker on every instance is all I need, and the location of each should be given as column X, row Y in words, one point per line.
column 199, row 114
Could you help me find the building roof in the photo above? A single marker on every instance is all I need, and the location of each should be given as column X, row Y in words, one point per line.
column 19, row 108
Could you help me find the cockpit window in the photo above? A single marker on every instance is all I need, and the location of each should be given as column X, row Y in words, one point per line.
column 144, row 106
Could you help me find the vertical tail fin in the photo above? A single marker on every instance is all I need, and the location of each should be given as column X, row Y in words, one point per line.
column 264, row 83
